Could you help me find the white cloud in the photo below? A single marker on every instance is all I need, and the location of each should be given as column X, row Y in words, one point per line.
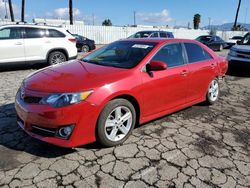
column 3, row 7
column 63, row 13
column 155, row 17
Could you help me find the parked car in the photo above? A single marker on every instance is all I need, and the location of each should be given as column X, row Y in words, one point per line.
column 212, row 41
column 241, row 51
column 232, row 41
column 152, row 34
column 102, row 96
column 84, row 44
column 24, row 43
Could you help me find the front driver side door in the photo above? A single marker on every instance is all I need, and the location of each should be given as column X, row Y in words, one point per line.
column 11, row 45
column 166, row 89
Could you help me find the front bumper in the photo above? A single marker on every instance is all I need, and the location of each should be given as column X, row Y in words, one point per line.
column 234, row 58
column 82, row 116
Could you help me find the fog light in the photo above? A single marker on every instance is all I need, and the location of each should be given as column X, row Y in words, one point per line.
column 65, row 132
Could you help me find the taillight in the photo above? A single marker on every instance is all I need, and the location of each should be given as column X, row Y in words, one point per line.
column 72, row 40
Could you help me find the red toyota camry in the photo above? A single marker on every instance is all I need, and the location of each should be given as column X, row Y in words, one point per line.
column 102, row 96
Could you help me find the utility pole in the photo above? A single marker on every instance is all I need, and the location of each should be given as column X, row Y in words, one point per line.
column 209, row 23
column 236, row 16
column 71, row 12
column 134, row 18
column 11, row 11
column 22, row 14
column 245, row 20
column 6, row 11
column 93, row 19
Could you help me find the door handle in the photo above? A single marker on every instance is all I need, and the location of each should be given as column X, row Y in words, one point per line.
column 19, row 43
column 184, row 72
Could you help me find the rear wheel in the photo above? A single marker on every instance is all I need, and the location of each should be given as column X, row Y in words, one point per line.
column 221, row 47
column 213, row 92
column 85, row 48
column 116, row 122
column 56, row 57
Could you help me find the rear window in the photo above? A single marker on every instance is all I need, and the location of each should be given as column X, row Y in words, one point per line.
column 55, row 34
column 196, row 53
column 34, row 32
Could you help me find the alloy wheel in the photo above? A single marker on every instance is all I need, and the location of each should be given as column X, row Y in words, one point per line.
column 213, row 91
column 118, row 123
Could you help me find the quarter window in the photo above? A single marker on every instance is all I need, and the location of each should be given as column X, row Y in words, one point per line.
column 10, row 33
column 196, row 53
column 35, row 32
column 171, row 54
column 55, row 34
column 163, row 35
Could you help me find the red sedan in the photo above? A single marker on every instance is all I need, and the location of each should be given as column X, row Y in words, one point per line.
column 102, row 96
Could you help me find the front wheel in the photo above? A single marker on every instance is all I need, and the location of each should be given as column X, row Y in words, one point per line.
column 116, row 122
column 213, row 92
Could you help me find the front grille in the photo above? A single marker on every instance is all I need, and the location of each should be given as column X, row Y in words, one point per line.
column 32, row 100
column 42, row 131
column 240, row 52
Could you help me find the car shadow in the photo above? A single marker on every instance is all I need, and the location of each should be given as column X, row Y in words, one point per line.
column 238, row 69
column 21, row 66
column 12, row 137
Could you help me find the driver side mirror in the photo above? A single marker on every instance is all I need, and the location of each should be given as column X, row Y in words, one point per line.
column 156, row 66
column 238, row 42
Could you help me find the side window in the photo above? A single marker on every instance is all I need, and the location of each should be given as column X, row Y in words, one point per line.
column 196, row 53
column 10, row 33
column 154, row 35
column 171, row 54
column 55, row 34
column 34, row 32
column 163, row 35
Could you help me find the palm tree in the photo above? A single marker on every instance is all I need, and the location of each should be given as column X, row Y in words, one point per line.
column 236, row 16
column 71, row 12
column 22, row 13
column 11, row 11
column 197, row 20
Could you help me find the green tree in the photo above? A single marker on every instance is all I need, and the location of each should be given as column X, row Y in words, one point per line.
column 197, row 21
column 107, row 22
column 235, row 26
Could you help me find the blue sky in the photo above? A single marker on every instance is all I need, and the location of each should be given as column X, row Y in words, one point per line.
column 148, row 12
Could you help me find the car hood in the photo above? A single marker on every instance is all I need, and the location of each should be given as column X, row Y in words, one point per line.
column 244, row 48
column 73, row 76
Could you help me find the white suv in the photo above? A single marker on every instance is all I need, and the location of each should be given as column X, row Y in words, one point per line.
column 36, row 44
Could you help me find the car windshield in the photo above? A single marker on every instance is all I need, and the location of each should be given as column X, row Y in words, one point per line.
column 122, row 54
column 204, row 38
column 246, row 40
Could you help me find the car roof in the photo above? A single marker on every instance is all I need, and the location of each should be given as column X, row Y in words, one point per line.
column 159, row 40
column 154, row 31
column 32, row 25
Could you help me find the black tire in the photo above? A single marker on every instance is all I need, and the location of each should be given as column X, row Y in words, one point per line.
column 56, row 57
column 210, row 98
column 85, row 48
column 102, row 138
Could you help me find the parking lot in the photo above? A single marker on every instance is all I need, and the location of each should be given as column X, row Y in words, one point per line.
column 201, row 146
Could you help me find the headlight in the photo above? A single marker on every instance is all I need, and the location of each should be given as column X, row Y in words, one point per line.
column 65, row 99
column 232, row 52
